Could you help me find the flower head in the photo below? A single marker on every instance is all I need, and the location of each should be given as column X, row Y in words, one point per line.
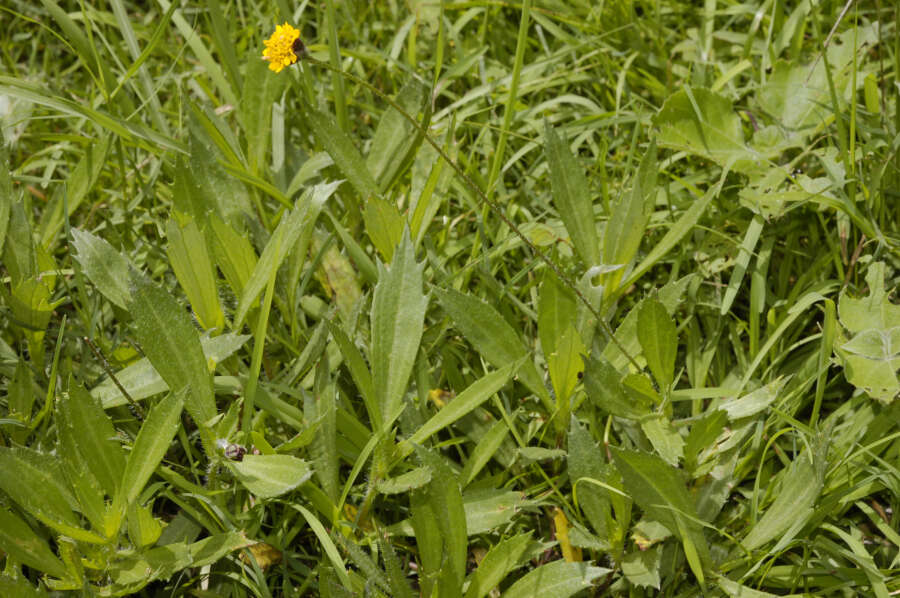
column 283, row 47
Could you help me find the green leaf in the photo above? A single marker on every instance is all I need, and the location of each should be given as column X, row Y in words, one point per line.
column 355, row 362
column 658, row 336
column 658, row 489
column 79, row 183
column 484, row 451
column 20, row 395
column 192, row 265
column 800, row 487
column 565, row 365
column 873, row 311
column 234, row 254
column 94, row 436
column 129, row 131
column 36, row 482
column 136, row 571
column 628, row 220
column 704, row 432
column 410, row 480
column 797, row 96
column 482, row 511
column 143, row 528
column 141, row 380
column 260, row 91
column 6, row 195
column 473, row 396
column 396, row 138
column 171, row 343
column 534, row 454
column 340, row 147
column 558, row 579
column 19, row 256
column 282, row 241
column 489, row 509
column 445, row 504
column 19, row 586
column 587, row 461
column 103, row 265
column 571, row 197
column 268, row 476
column 704, row 123
column 603, row 384
column 398, row 315
column 670, row 296
column 556, row 306
column 324, row 454
column 642, row 567
column 497, row 564
column 735, row 590
column 151, row 444
column 384, row 225
column 871, row 358
column 862, row 559
column 664, row 437
column 492, row 336
column 751, row 237
column 754, row 402
column 327, row 544
column 21, row 543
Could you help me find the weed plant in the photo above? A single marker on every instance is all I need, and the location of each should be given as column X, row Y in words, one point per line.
column 467, row 299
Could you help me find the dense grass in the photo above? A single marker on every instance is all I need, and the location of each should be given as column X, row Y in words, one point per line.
column 511, row 299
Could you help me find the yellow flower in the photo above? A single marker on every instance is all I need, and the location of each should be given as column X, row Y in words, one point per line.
column 283, row 47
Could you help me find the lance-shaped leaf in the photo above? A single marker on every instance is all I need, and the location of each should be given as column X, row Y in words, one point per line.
column 572, row 197
column 659, row 340
column 267, row 476
column 282, row 241
column 473, row 396
column 658, row 489
column 628, row 220
column 93, row 435
column 341, row 149
column 21, row 543
column 195, row 271
column 558, row 579
column 172, row 344
column 492, row 337
column 398, row 316
column 37, row 482
column 103, row 265
column 151, row 444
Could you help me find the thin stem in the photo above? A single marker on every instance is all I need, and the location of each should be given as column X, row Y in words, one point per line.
column 607, row 330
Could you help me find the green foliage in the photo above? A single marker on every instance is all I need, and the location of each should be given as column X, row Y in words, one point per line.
column 545, row 298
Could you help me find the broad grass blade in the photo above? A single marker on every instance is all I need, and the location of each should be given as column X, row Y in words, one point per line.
column 94, row 436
